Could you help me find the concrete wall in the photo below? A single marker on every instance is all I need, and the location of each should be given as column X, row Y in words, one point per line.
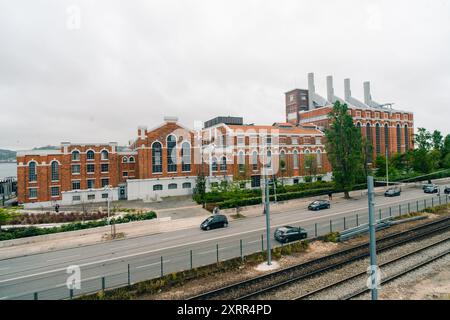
column 143, row 188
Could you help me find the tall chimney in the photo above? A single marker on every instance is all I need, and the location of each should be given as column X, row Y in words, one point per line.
column 330, row 89
column 367, row 96
column 347, row 91
column 311, row 90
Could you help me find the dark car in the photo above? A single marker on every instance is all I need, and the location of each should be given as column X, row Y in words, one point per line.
column 319, row 204
column 447, row 190
column 392, row 192
column 431, row 189
column 288, row 234
column 215, row 221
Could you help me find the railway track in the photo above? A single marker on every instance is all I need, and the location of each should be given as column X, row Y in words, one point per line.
column 364, row 275
column 252, row 288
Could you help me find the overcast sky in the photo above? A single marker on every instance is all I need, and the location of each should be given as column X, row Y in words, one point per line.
column 94, row 70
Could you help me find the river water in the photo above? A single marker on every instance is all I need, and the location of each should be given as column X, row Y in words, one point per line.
column 8, row 170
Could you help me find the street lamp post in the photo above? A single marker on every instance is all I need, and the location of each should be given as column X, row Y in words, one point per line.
column 387, row 168
column 267, row 212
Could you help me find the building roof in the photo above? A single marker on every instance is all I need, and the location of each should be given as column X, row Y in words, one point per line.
column 281, row 130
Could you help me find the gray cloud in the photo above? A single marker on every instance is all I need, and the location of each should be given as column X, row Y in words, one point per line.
column 131, row 63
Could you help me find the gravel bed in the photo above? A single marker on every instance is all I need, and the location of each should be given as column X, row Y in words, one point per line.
column 304, row 286
column 431, row 281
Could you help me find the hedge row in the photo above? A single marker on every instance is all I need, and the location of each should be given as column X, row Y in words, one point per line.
column 280, row 197
column 16, row 233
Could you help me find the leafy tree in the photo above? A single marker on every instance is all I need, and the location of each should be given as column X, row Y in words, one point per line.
column 200, row 187
column 366, row 152
column 446, row 146
column 380, row 164
column 310, row 165
column 437, row 140
column 434, row 159
column 343, row 145
column 421, row 161
column 446, row 161
column 423, row 139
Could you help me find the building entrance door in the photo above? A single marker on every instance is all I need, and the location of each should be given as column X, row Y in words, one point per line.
column 122, row 192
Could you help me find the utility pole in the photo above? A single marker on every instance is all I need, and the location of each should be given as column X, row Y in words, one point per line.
column 267, row 210
column 373, row 251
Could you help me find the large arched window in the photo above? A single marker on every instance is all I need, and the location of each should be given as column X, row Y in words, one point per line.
column 378, row 138
column 399, row 139
column 255, row 160
column 104, row 155
column 386, row 138
column 406, row 138
column 223, row 164
column 307, row 162
column 241, row 161
column 90, row 155
column 319, row 158
column 369, row 142
column 269, row 159
column 131, row 160
column 55, row 171
column 124, row 160
column 171, row 154
column 295, row 159
column 32, row 175
column 156, row 157
column 283, row 163
column 214, row 164
column 186, row 157
column 75, row 155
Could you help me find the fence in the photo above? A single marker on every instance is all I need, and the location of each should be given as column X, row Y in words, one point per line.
column 135, row 267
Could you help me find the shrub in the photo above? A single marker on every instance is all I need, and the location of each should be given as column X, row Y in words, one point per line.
column 331, row 237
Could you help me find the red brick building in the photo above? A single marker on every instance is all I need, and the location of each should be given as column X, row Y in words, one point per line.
column 385, row 128
column 166, row 160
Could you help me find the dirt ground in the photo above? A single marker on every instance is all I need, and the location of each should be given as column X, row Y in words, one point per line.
column 316, row 249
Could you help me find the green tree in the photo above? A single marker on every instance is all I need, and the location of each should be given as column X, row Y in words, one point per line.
column 200, row 188
column 437, row 140
column 343, row 145
column 446, row 146
column 310, row 165
column 421, row 162
column 423, row 139
column 366, row 152
column 446, row 161
column 380, row 164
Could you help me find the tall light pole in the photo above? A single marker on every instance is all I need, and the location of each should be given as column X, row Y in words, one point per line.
column 373, row 251
column 267, row 211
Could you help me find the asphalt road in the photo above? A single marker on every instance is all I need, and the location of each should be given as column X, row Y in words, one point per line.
column 46, row 273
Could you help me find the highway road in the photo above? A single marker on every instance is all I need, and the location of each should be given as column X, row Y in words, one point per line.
column 46, row 273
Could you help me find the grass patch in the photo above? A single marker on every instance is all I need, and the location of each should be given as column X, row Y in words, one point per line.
column 177, row 279
column 331, row 237
column 408, row 215
column 442, row 209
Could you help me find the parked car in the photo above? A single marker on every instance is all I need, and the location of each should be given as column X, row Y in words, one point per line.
column 392, row 192
column 287, row 234
column 319, row 204
column 447, row 190
column 214, row 222
column 431, row 189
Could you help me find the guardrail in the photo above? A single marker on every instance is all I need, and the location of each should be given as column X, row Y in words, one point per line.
column 132, row 268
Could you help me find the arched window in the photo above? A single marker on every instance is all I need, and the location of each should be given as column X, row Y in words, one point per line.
column 171, row 154
column 104, row 155
column 255, row 160
column 399, row 139
column 156, row 157
column 241, row 161
column 386, row 138
column 157, row 187
column 187, row 185
column 283, row 160
column 214, row 164
column 369, row 142
column 378, row 138
column 55, row 171
column 358, row 125
column 223, row 164
column 319, row 158
column 406, row 138
column 32, row 175
column 131, row 160
column 307, row 161
column 186, row 157
column 173, row 186
column 90, row 155
column 75, row 155
column 269, row 159
column 124, row 159
column 295, row 159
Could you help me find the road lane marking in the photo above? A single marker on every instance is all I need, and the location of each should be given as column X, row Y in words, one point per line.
column 197, row 242
column 55, row 259
column 152, row 264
